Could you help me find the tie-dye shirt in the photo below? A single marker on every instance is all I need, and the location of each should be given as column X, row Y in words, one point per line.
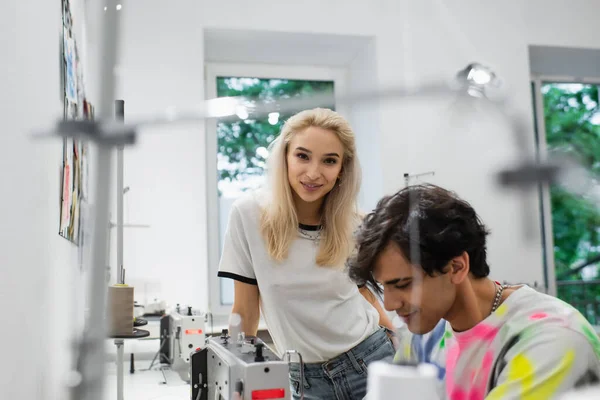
column 534, row 346
column 428, row 348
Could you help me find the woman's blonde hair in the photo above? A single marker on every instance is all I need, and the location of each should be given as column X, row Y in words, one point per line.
column 339, row 216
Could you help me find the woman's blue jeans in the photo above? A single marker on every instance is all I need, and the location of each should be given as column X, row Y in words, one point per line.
column 345, row 376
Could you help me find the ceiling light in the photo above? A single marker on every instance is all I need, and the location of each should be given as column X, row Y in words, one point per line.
column 476, row 77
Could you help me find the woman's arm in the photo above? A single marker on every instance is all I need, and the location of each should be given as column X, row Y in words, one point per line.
column 246, row 305
column 384, row 320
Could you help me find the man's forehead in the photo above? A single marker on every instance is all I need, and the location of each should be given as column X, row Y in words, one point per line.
column 391, row 265
column 382, row 274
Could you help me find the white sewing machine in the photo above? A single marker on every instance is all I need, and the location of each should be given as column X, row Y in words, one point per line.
column 245, row 369
column 242, row 368
column 181, row 333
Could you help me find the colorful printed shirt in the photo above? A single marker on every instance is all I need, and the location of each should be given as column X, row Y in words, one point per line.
column 534, row 346
column 428, row 348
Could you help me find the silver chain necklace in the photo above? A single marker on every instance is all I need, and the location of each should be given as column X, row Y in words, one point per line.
column 315, row 236
column 499, row 290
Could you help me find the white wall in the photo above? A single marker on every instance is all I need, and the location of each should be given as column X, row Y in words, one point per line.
column 562, row 23
column 365, row 120
column 165, row 169
column 413, row 43
column 40, row 278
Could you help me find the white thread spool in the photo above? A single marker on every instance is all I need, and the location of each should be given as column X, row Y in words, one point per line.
column 387, row 381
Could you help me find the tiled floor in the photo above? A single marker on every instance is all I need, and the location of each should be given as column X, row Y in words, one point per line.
column 145, row 385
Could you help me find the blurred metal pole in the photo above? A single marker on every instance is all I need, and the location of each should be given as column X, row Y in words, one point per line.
column 120, row 116
column 91, row 350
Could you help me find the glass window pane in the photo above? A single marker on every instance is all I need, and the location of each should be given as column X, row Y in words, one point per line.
column 572, row 121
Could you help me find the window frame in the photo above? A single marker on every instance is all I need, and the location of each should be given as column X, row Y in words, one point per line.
column 339, row 76
column 538, row 80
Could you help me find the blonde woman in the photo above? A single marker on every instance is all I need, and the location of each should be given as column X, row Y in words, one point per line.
column 286, row 247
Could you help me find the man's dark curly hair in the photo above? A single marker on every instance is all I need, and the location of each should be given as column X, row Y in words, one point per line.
column 427, row 218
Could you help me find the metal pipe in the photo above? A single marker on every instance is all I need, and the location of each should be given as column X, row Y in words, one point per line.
column 91, row 349
column 120, row 116
column 91, row 365
column 120, row 343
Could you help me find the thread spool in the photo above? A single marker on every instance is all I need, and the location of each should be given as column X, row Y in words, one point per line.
column 418, row 382
column 120, row 306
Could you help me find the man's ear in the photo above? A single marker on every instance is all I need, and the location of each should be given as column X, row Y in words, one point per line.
column 459, row 268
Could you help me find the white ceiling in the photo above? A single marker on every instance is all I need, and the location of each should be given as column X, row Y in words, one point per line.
column 264, row 47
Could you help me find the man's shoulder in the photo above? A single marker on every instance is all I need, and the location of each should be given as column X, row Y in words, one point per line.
column 538, row 317
column 526, row 307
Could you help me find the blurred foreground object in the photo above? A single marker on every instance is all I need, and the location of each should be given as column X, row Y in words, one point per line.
column 590, row 393
column 414, row 382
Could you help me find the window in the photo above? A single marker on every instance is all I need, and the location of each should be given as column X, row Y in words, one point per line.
column 568, row 121
column 237, row 147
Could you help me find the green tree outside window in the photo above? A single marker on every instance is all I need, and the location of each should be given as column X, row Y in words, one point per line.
column 572, row 121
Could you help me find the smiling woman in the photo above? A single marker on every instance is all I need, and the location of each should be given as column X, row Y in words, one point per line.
column 304, row 149
column 313, row 173
column 242, row 145
column 286, row 247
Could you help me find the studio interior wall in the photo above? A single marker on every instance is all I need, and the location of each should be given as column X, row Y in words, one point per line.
column 41, row 276
column 165, row 170
column 365, row 120
column 413, row 43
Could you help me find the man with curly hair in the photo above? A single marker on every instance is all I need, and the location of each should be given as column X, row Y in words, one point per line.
column 425, row 248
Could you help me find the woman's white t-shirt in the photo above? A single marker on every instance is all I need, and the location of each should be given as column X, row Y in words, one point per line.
column 317, row 311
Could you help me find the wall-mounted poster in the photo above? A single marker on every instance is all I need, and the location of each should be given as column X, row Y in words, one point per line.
column 74, row 174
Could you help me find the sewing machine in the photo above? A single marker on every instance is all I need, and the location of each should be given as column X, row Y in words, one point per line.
column 181, row 333
column 243, row 368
